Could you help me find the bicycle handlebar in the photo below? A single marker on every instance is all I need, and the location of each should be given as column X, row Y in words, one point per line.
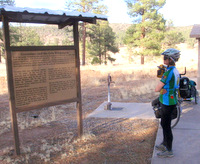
column 184, row 72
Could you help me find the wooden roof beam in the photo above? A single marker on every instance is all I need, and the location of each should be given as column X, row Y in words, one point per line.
column 68, row 22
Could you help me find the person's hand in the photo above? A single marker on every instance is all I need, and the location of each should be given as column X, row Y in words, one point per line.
column 163, row 91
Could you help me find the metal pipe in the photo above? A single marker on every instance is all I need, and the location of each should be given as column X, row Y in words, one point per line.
column 109, row 104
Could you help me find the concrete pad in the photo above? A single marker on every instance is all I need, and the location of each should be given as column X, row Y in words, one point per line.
column 124, row 110
column 186, row 142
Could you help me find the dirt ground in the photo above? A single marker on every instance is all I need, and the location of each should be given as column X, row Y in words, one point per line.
column 49, row 135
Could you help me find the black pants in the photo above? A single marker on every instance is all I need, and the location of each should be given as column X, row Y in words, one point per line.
column 166, row 125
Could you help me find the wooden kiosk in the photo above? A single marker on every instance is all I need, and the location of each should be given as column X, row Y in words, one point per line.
column 42, row 76
column 195, row 33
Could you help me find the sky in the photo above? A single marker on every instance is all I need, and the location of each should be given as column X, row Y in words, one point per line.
column 181, row 12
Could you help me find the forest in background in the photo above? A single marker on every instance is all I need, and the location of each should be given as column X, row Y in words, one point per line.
column 149, row 35
column 32, row 35
column 51, row 35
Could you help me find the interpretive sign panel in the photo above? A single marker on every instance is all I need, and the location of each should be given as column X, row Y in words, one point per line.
column 43, row 77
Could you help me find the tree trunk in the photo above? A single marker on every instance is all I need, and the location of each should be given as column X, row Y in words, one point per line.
column 84, row 40
column 142, row 47
column 143, row 31
column 100, row 59
column 105, row 55
column 105, row 59
column 142, row 59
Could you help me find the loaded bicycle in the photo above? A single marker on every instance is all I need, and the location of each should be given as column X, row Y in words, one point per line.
column 186, row 92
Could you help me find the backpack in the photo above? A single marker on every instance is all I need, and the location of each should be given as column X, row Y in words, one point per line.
column 185, row 87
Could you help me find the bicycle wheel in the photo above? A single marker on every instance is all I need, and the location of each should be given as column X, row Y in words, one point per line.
column 175, row 121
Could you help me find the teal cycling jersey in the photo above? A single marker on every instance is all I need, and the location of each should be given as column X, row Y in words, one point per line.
column 171, row 80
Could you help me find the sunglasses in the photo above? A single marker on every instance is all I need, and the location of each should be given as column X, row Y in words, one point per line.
column 166, row 57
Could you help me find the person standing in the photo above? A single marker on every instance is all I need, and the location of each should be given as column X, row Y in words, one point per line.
column 168, row 87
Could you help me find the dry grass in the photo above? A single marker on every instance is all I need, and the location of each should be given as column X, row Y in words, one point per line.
column 52, row 137
column 118, row 141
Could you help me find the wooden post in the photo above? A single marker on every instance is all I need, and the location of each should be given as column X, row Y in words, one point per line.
column 198, row 71
column 79, row 103
column 84, row 41
column 0, row 55
column 10, row 85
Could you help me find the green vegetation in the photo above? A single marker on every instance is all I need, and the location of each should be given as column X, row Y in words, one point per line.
column 119, row 30
column 102, row 40
column 147, row 32
column 172, row 37
column 148, row 35
column 185, row 31
column 91, row 6
column 50, row 35
column 24, row 36
column 2, row 3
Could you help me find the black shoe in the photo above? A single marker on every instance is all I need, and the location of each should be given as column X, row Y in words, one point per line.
column 165, row 154
column 161, row 147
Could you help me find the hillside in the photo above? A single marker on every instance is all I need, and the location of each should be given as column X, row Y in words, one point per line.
column 51, row 35
column 119, row 28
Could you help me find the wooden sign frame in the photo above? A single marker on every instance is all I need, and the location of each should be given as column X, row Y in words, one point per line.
column 14, row 109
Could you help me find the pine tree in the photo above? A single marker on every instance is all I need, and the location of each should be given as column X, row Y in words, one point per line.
column 92, row 6
column 172, row 36
column 102, row 39
column 148, row 30
column 24, row 36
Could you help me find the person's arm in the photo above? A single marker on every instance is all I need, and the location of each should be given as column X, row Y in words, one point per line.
column 159, row 86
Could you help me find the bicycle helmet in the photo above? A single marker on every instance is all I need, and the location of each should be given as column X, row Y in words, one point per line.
column 172, row 53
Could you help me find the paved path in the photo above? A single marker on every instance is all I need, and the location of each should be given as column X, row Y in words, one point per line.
column 186, row 144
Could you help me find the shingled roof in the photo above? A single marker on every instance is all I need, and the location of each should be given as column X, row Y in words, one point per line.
column 195, row 32
column 46, row 16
